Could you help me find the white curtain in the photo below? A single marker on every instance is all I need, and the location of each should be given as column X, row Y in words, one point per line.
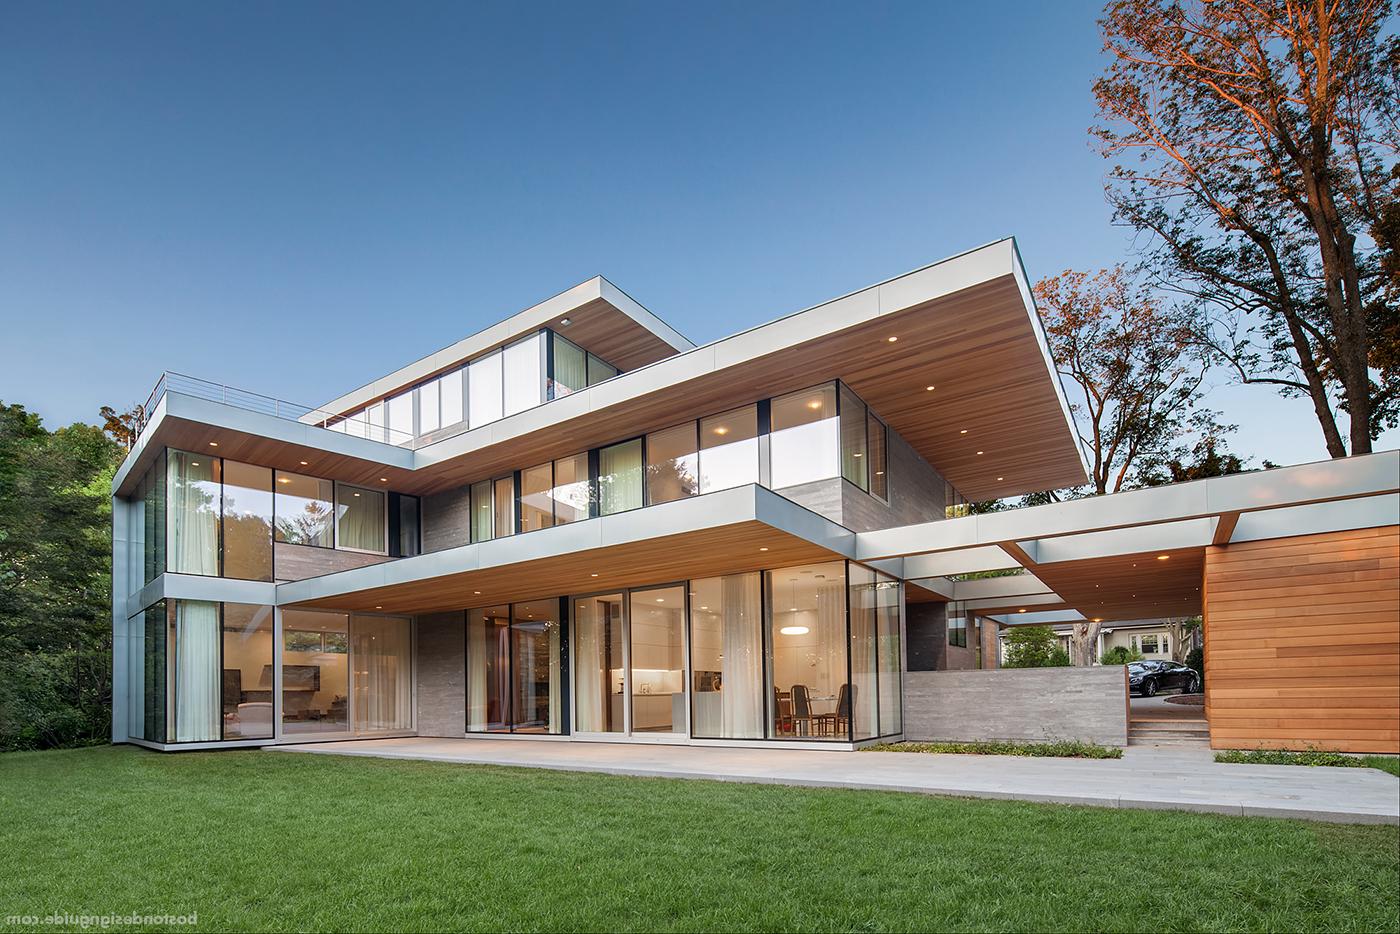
column 592, row 677
column 361, row 523
column 476, row 670
column 741, row 683
column 383, row 692
column 193, row 514
column 197, row 677
column 554, row 678
column 864, row 708
column 620, row 477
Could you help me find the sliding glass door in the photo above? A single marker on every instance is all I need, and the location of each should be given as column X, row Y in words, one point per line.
column 630, row 663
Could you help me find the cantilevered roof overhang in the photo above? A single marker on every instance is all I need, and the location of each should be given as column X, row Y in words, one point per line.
column 728, row 532
column 1138, row 554
column 995, row 423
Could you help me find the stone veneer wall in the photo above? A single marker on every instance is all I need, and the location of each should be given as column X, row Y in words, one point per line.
column 442, row 675
column 1022, row 704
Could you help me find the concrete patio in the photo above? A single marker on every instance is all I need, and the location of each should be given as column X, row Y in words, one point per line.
column 1159, row 778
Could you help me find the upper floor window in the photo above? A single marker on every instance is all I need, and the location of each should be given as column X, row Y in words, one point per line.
column 805, row 436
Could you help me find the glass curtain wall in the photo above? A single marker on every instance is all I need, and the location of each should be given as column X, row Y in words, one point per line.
column 570, row 368
column 878, row 441
column 484, row 390
column 315, row 672
column 247, row 521
column 672, row 468
column 247, row 671
column 807, row 673
column 598, row 664
column 194, row 507
column 149, row 671
column 572, row 497
column 488, row 669
column 888, row 609
column 726, row 650
column 537, row 497
column 361, row 520
column 194, row 650
column 620, row 477
column 483, row 519
column 805, row 437
column 863, row 702
column 381, row 654
column 524, row 374
column 855, row 462
column 656, row 658
column 729, row 449
column 304, row 510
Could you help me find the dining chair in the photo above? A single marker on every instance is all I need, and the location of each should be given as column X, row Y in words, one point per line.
column 801, row 710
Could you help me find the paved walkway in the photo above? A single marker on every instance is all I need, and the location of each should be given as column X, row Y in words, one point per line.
column 1146, row 777
column 1162, row 708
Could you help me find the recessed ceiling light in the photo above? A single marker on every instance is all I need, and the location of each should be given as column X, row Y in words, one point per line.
column 1098, row 619
column 704, row 608
column 928, row 389
column 194, row 463
column 304, row 463
column 891, row 339
column 357, row 494
column 284, row 479
column 660, row 599
column 1163, row 557
column 476, row 591
column 565, row 322
column 213, row 444
column 383, row 479
column 721, row 430
column 979, row 452
column 764, row 548
column 814, row 404
column 857, row 454
column 379, row 608
column 1001, row 478
column 1021, row 610
column 593, row 575
column 963, row 432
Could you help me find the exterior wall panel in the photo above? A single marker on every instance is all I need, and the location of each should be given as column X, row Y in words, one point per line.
column 442, row 675
column 446, row 521
column 1022, row 704
column 1302, row 642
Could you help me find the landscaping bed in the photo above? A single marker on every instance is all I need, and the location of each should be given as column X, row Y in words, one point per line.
column 1062, row 750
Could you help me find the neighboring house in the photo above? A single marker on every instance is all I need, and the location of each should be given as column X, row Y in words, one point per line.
column 1164, row 639
column 575, row 524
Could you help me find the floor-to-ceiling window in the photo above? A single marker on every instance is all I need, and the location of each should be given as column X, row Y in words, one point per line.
column 195, row 503
column 315, row 672
column 247, row 683
column 515, row 668
column 380, row 654
column 889, row 597
column 672, row 464
column 657, row 660
column 862, row 704
column 620, row 477
column 247, row 521
column 599, row 679
column 726, row 651
column 194, row 650
column 807, row 659
column 804, row 442
column 729, row 449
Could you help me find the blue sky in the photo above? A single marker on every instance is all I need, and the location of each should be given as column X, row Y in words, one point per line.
column 296, row 198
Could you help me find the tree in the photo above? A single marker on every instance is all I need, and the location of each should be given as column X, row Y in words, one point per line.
column 55, row 582
column 1120, row 655
column 1033, row 647
column 1209, row 458
column 1135, row 368
column 124, row 427
column 1251, row 139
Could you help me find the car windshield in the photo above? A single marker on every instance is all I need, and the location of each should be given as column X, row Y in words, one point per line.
column 1136, row 666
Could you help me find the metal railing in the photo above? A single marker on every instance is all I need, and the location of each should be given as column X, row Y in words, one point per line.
column 267, row 405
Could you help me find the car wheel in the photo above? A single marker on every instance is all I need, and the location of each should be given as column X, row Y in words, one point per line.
column 1149, row 688
column 1194, row 685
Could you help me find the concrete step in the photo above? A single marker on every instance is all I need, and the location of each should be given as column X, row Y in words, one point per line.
column 1200, row 742
column 1172, row 726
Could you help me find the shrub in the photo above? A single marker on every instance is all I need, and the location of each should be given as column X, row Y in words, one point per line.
column 1033, row 647
column 1120, row 655
column 1196, row 658
column 1067, row 749
column 1308, row 757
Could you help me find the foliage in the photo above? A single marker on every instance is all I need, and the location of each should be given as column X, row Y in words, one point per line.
column 1060, row 749
column 1196, row 659
column 1134, row 368
column 1312, row 757
column 1251, row 142
column 1033, row 647
column 124, row 427
column 55, row 557
column 1209, row 458
column 1120, row 655
column 417, row 846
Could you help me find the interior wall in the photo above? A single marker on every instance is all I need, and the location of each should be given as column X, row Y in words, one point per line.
column 1302, row 642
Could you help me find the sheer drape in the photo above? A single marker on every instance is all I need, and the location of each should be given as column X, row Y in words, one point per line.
column 589, row 670
column 888, row 601
column 361, row 523
column 741, row 685
column 193, row 514
column 197, row 678
column 477, row 647
column 570, row 368
column 383, row 692
column 554, row 677
column 864, row 702
column 620, row 477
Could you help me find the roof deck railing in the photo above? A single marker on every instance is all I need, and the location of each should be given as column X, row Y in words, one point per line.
column 267, row 405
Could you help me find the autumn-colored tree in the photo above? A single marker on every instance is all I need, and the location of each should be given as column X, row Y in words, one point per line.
column 1254, row 141
column 1135, row 372
column 124, row 427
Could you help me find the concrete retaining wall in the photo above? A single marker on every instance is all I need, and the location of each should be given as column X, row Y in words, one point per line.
column 1025, row 704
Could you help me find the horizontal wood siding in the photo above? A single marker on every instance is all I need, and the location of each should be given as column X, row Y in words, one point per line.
column 1302, row 642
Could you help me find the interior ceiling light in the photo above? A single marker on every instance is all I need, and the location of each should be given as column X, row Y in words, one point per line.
column 284, row 480
column 660, row 599
column 814, row 404
column 1021, row 610
column 721, row 430
column 794, row 630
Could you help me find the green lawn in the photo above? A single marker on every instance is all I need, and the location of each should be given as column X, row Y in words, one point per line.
column 259, row 840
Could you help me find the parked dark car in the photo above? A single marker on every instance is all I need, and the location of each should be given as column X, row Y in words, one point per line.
column 1149, row 677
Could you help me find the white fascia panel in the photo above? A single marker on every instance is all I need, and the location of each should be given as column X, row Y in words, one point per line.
column 1335, row 516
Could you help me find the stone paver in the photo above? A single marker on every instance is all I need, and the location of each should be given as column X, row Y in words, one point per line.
column 1146, row 777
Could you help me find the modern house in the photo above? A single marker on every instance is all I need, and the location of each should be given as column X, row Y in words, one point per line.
column 576, row 525
column 1161, row 639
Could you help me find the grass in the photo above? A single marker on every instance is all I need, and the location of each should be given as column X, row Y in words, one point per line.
column 260, row 841
column 1064, row 749
column 1389, row 764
